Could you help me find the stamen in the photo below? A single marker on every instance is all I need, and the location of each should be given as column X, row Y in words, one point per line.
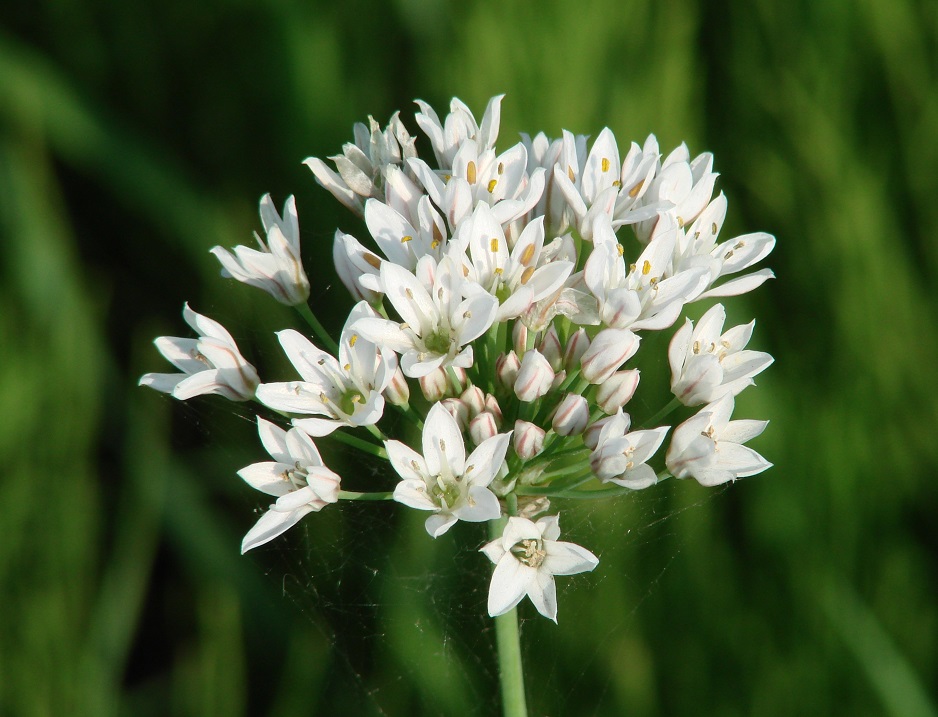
column 526, row 275
column 493, row 245
column 527, row 254
column 633, row 192
column 372, row 260
column 605, row 164
column 714, row 228
column 646, row 268
column 501, row 168
column 405, row 239
column 491, row 186
column 471, row 173
column 352, row 341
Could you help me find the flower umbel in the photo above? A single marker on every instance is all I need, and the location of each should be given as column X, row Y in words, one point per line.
column 488, row 368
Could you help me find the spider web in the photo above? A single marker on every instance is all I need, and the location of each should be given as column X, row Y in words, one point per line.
column 404, row 615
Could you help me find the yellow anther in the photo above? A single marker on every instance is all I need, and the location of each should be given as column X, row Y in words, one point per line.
column 696, row 347
column 347, row 367
column 621, row 251
column 527, row 274
column 632, row 267
column 501, row 167
column 571, row 174
column 407, row 238
column 434, row 244
column 324, row 398
column 493, row 244
column 491, row 187
column 373, row 260
column 633, row 192
column 471, row 172
column 714, row 228
column 351, row 341
column 408, row 293
column 617, row 183
column 646, row 268
column 465, row 270
column 605, row 164
column 498, row 271
column 527, row 254
column 680, row 222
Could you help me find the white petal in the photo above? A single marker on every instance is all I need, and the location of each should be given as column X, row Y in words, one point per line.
column 267, row 477
column 272, row 524
column 443, row 443
column 510, row 582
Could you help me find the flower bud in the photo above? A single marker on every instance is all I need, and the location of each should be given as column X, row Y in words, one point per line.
column 559, row 378
column 458, row 410
column 474, row 398
column 531, row 506
column 534, row 377
column 491, row 405
column 398, row 392
column 519, row 338
column 458, row 380
column 435, row 385
column 609, row 350
column 506, row 368
column 528, row 440
column 617, row 390
column 576, row 347
column 591, row 435
column 571, row 415
column 482, row 427
column 550, row 347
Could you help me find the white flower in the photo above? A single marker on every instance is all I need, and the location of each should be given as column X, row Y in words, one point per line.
column 709, row 447
column 440, row 318
column 363, row 166
column 685, row 184
column 527, row 557
column 519, row 277
column 277, row 268
column 620, row 457
column 697, row 246
column 443, row 479
column 705, row 364
column 645, row 297
column 296, row 476
column 460, row 125
column 346, row 392
column 209, row 364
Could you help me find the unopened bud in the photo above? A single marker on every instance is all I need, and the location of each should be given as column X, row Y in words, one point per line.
column 534, row 377
column 550, row 347
column 398, row 392
column 458, row 380
column 591, row 435
column 519, row 338
column 491, row 405
column 474, row 398
column 559, row 378
column 531, row 506
column 482, row 427
column 458, row 410
column 571, row 415
column 617, row 390
column 610, row 349
column 576, row 347
column 528, row 439
column 434, row 385
column 506, row 369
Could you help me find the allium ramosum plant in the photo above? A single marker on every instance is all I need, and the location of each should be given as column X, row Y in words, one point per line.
column 499, row 300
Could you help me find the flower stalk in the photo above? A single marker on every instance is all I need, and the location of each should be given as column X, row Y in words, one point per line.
column 508, row 642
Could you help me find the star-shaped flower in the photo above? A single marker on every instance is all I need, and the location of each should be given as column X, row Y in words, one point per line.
column 527, row 557
column 443, row 479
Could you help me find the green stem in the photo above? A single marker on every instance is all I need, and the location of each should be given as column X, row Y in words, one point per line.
column 360, row 444
column 508, row 640
column 318, row 328
column 675, row 402
column 353, row 495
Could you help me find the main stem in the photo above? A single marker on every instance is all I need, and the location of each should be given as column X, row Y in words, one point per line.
column 508, row 639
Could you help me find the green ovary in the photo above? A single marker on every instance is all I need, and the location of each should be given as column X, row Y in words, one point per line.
column 438, row 342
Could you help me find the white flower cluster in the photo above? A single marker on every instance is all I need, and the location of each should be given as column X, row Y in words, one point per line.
column 500, row 297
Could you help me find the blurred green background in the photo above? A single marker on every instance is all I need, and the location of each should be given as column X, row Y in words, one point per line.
column 134, row 136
